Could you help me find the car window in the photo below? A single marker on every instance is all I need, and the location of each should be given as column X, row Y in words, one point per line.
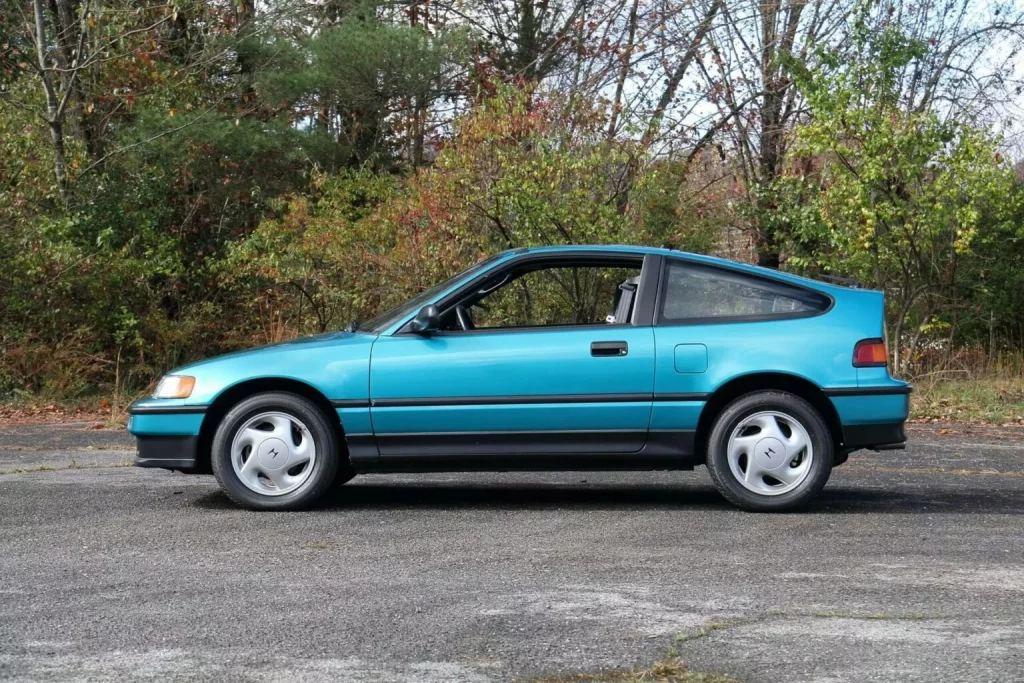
column 383, row 321
column 697, row 292
column 561, row 295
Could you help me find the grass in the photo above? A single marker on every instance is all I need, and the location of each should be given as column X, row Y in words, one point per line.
column 878, row 616
column 73, row 465
column 25, row 470
column 979, row 401
column 711, row 627
column 672, row 670
column 669, row 670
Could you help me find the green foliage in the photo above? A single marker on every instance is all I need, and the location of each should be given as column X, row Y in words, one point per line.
column 528, row 169
column 238, row 172
column 347, row 78
column 313, row 269
column 895, row 198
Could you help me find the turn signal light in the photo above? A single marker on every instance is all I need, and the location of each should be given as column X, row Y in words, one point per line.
column 870, row 353
column 175, row 386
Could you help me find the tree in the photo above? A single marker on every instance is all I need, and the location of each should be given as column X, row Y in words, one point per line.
column 899, row 197
column 366, row 83
column 966, row 68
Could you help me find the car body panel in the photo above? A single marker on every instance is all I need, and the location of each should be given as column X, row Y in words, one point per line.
column 356, row 419
column 336, row 364
column 499, row 394
column 499, row 381
column 676, row 415
column 874, row 409
column 165, row 424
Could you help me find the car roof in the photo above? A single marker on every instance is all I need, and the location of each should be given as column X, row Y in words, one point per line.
column 675, row 253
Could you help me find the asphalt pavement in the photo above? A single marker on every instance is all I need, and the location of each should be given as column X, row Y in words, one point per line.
column 908, row 568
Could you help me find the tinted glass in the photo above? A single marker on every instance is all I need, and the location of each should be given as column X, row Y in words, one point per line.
column 695, row 292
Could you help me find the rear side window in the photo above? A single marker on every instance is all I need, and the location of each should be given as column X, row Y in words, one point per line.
column 694, row 292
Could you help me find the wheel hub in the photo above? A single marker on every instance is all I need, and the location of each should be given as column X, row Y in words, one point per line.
column 273, row 454
column 770, row 453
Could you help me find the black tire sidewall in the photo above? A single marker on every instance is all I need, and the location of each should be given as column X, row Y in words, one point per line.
column 784, row 402
column 325, row 468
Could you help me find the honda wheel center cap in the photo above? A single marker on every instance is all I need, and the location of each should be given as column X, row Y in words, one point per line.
column 273, row 454
column 770, row 453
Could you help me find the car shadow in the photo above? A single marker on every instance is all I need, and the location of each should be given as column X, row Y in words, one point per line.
column 540, row 496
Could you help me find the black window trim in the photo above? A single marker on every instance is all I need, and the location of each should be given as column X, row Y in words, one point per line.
column 659, row 312
column 644, row 309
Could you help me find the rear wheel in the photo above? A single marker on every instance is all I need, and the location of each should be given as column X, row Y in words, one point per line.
column 769, row 451
column 277, row 451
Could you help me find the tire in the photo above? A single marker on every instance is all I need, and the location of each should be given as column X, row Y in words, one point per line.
column 277, row 425
column 754, row 475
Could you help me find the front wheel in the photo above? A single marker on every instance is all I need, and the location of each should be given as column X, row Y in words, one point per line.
column 276, row 451
column 769, row 451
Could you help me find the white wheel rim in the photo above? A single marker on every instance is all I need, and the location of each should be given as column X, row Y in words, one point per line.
column 273, row 454
column 770, row 453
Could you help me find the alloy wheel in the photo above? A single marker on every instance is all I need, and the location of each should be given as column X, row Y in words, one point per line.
column 273, row 453
column 770, row 453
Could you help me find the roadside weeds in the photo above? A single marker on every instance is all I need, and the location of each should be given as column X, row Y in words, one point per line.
column 73, row 465
column 669, row 670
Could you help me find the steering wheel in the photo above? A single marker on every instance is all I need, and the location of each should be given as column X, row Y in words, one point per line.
column 463, row 317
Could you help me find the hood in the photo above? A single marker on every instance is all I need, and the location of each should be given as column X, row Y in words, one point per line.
column 304, row 343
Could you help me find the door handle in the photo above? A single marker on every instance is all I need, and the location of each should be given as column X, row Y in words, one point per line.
column 609, row 348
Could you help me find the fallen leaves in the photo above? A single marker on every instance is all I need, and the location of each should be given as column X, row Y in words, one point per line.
column 54, row 413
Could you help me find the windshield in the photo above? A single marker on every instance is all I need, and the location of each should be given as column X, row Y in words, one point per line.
column 386, row 319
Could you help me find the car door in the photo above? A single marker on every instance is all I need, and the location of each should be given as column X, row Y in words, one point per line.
column 507, row 391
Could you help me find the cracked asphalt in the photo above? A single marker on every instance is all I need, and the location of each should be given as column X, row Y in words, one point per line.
column 908, row 568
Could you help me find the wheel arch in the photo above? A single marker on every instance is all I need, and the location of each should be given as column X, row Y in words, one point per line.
column 236, row 392
column 768, row 381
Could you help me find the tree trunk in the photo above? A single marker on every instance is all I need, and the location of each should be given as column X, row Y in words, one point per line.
column 419, row 109
column 245, row 12
column 676, row 78
column 54, row 115
column 776, row 88
column 526, row 42
column 620, row 83
column 669, row 94
column 60, row 164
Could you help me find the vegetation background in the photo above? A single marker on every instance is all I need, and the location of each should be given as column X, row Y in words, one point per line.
column 182, row 178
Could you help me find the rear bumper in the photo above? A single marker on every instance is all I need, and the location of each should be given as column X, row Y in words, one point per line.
column 168, row 452
column 876, row 437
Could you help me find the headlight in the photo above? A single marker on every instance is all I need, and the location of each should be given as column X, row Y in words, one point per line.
column 175, row 386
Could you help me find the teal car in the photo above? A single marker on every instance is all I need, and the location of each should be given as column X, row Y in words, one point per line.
column 555, row 358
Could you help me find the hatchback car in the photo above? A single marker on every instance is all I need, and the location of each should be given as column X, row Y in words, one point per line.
column 559, row 358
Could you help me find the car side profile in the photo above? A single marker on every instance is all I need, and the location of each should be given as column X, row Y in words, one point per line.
column 554, row 358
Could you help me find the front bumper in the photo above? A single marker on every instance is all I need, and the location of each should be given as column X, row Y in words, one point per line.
column 167, row 433
column 168, row 452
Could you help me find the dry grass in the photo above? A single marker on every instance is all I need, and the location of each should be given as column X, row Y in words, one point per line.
column 711, row 627
column 670, row 670
column 988, row 400
column 969, row 386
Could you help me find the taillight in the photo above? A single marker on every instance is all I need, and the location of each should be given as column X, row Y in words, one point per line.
column 870, row 353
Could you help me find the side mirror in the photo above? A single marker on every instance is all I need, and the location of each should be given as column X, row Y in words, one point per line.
column 426, row 321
